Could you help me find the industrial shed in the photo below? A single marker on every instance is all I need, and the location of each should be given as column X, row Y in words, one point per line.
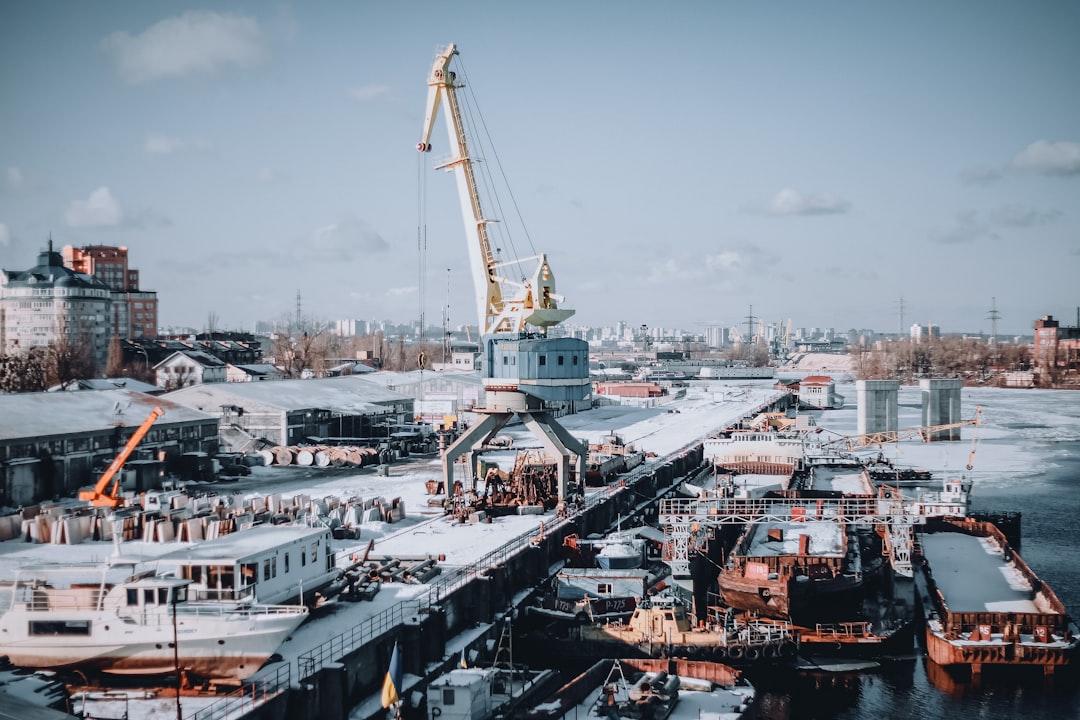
column 437, row 394
column 290, row 412
column 52, row 443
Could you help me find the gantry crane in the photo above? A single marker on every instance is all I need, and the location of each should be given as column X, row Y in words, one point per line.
column 98, row 496
column 523, row 369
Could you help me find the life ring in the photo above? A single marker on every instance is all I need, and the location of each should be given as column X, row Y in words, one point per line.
column 765, row 593
column 735, row 652
column 721, row 653
column 773, row 651
column 752, row 653
column 436, row 712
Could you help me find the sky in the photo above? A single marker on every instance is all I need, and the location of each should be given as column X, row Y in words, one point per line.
column 681, row 164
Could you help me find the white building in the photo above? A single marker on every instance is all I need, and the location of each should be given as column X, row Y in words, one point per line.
column 51, row 302
column 185, row 368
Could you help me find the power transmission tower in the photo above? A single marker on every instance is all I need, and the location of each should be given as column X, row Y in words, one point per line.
column 751, row 320
column 993, row 316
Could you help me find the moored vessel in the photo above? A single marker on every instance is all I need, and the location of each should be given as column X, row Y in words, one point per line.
column 983, row 605
column 116, row 620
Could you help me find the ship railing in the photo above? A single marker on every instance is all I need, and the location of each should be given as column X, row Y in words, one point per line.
column 250, row 695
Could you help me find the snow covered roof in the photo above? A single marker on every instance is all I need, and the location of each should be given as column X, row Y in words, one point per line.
column 120, row 383
column 48, row 414
column 350, row 394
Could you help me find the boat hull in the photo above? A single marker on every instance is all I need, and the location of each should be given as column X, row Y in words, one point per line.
column 229, row 649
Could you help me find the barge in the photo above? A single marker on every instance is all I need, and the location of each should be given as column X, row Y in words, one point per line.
column 983, row 605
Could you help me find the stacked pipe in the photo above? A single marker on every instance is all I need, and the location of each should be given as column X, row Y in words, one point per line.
column 319, row 455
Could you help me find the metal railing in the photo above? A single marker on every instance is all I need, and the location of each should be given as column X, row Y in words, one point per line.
column 248, row 696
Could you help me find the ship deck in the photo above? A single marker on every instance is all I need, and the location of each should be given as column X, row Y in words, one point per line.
column 974, row 576
column 850, row 481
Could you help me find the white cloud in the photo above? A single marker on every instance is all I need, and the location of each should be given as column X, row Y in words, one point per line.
column 196, row 42
column 1049, row 158
column 980, row 176
column 343, row 239
column 368, row 92
column 400, row 291
column 159, row 144
column 99, row 210
column 792, row 202
column 1018, row 216
column 14, row 177
column 5, row 235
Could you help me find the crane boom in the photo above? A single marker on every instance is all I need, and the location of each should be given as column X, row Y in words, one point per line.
column 98, row 496
column 856, row 442
column 531, row 302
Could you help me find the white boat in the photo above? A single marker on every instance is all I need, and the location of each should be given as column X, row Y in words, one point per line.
column 112, row 619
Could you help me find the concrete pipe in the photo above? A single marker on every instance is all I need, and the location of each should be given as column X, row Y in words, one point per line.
column 282, row 455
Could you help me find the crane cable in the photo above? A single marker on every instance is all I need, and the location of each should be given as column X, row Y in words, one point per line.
column 472, row 108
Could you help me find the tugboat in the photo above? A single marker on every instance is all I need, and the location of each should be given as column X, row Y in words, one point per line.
column 661, row 627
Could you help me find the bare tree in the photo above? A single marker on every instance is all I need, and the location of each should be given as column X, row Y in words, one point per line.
column 71, row 359
column 24, row 372
column 114, row 367
column 299, row 346
column 179, row 376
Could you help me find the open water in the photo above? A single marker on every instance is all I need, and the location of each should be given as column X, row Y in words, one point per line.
column 1028, row 459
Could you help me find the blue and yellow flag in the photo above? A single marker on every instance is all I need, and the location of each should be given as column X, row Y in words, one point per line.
column 391, row 689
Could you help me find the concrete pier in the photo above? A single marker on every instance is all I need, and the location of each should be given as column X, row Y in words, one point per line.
column 941, row 406
column 878, row 405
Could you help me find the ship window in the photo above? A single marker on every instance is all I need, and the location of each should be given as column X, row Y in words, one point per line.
column 575, row 359
column 266, row 569
column 561, row 359
column 163, row 596
column 314, row 551
column 132, row 597
column 603, row 589
column 668, row 616
column 286, row 562
column 273, row 567
column 249, row 573
column 148, row 596
column 448, row 696
column 303, row 558
column 60, row 627
column 543, row 360
column 506, row 359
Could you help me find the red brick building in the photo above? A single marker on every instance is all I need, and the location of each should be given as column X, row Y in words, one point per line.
column 135, row 311
column 1056, row 350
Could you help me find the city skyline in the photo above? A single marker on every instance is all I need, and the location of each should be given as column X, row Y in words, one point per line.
column 677, row 164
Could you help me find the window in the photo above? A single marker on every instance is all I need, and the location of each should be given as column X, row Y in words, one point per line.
column 60, row 627
column 506, row 360
column 448, row 696
column 314, row 551
column 575, row 359
column 286, row 562
column 560, row 359
column 266, row 569
column 604, row 588
column 543, row 360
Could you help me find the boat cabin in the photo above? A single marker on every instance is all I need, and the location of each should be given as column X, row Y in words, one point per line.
column 269, row 564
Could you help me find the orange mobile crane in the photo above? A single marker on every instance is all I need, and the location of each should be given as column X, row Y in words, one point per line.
column 98, row 497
